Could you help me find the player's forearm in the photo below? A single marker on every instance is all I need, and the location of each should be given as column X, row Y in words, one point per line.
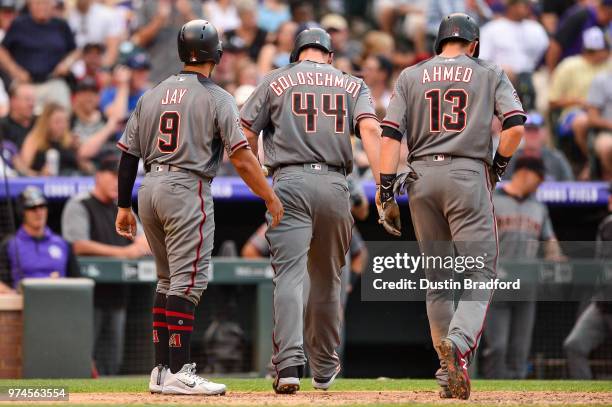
column 509, row 140
column 249, row 170
column 128, row 168
column 253, row 140
column 370, row 132
column 389, row 155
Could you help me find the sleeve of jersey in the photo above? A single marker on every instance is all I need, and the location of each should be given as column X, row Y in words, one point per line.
column 129, row 141
column 508, row 106
column 228, row 120
column 394, row 123
column 254, row 114
column 364, row 108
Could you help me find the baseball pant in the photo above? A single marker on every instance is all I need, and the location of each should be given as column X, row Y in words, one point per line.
column 507, row 334
column 313, row 237
column 452, row 212
column 588, row 333
column 176, row 211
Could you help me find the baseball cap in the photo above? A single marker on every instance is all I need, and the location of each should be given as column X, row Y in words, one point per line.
column 334, row 22
column 534, row 119
column 593, row 39
column 138, row 61
column 107, row 161
column 534, row 164
column 32, row 197
column 87, row 84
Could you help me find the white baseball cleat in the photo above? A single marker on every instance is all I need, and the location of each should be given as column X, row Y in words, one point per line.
column 325, row 383
column 186, row 381
column 158, row 375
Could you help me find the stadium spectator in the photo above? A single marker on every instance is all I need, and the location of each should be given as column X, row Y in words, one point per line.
column 130, row 83
column 599, row 110
column 346, row 50
column 88, row 222
column 8, row 12
column 17, row 124
column 553, row 11
column 92, row 128
column 377, row 43
column 34, row 251
column 40, row 48
column 569, row 38
column 516, row 43
column 377, row 71
column 271, row 14
column 410, row 14
column 276, row 54
column 94, row 23
column 594, row 325
column 556, row 166
column 50, row 148
column 570, row 86
column 302, row 12
column 521, row 221
column 89, row 66
column 158, row 23
column 247, row 36
column 222, row 13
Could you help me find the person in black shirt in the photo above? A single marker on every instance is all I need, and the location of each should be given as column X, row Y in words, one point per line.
column 248, row 36
column 88, row 222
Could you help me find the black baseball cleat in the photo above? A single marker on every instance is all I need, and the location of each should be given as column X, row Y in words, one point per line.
column 287, row 381
column 324, row 383
column 458, row 378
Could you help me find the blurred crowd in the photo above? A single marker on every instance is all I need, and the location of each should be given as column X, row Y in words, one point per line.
column 73, row 70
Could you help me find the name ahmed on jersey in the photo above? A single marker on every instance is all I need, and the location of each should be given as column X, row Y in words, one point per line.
column 289, row 80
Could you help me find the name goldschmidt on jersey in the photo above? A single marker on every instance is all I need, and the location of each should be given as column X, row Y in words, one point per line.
column 325, row 79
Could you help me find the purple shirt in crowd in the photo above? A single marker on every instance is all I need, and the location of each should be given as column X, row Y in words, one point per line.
column 31, row 257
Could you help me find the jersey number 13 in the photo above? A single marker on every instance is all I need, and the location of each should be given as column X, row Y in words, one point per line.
column 458, row 101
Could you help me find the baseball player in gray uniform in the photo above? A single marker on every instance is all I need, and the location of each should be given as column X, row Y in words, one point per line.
column 522, row 222
column 180, row 129
column 445, row 106
column 307, row 111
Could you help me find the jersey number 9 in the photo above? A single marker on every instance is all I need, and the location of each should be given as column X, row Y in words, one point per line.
column 169, row 126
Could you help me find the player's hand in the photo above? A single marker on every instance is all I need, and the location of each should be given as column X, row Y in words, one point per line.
column 125, row 225
column 389, row 215
column 275, row 207
column 494, row 177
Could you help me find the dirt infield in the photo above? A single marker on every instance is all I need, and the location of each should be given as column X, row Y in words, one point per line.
column 337, row 398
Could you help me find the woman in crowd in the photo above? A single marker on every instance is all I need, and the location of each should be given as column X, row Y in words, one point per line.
column 276, row 55
column 50, row 148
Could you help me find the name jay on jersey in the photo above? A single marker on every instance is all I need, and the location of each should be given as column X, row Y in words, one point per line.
column 289, row 80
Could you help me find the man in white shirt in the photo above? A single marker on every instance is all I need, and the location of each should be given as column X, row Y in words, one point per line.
column 95, row 23
column 516, row 43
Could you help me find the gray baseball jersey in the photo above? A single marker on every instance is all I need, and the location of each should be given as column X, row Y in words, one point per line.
column 520, row 223
column 308, row 111
column 446, row 105
column 184, row 121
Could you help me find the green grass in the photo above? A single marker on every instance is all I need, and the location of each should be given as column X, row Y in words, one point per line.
column 136, row 384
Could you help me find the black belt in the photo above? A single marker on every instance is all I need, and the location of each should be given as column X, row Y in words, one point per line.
column 315, row 167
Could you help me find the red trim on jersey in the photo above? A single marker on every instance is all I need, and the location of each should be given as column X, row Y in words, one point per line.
column 239, row 145
column 157, row 310
column 160, row 324
column 179, row 314
column 199, row 247
column 514, row 112
column 366, row 115
column 245, row 121
column 122, row 146
column 180, row 328
column 390, row 124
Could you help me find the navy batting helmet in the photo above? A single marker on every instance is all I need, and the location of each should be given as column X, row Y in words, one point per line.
column 198, row 41
column 311, row 38
column 458, row 25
